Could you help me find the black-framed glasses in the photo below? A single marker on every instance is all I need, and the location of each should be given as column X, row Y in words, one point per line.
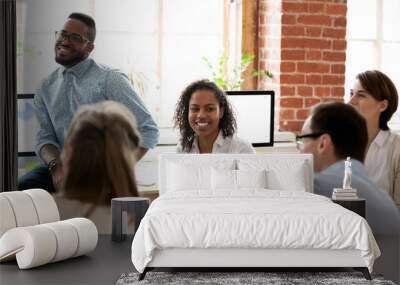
column 299, row 138
column 75, row 38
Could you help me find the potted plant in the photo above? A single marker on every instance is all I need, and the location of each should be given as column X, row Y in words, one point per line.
column 233, row 79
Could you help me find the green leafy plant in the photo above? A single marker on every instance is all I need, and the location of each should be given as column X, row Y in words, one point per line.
column 233, row 79
column 29, row 51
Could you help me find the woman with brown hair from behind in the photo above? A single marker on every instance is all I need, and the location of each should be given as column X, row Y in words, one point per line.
column 98, row 162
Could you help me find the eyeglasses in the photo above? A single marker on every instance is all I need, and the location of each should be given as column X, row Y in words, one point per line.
column 75, row 38
column 299, row 139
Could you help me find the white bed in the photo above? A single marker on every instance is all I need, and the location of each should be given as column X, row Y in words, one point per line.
column 247, row 211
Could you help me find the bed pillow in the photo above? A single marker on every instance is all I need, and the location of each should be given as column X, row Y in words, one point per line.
column 187, row 175
column 226, row 179
column 286, row 174
column 183, row 177
column 291, row 178
column 251, row 178
column 223, row 179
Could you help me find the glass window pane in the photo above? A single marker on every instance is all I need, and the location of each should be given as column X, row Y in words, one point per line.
column 391, row 68
column 360, row 56
column 187, row 36
column 361, row 19
column 391, row 20
column 390, row 52
column 192, row 17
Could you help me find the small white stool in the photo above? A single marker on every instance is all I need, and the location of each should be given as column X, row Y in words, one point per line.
column 136, row 206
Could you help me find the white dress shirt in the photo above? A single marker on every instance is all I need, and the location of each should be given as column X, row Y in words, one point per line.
column 376, row 163
column 222, row 145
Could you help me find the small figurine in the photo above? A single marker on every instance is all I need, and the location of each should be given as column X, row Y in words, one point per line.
column 347, row 174
column 346, row 192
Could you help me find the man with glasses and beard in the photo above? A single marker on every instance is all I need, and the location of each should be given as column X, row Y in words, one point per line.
column 333, row 132
column 78, row 81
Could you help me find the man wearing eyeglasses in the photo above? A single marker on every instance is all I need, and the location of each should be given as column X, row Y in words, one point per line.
column 78, row 81
column 333, row 132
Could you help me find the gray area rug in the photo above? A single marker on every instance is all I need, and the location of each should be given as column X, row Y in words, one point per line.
column 225, row 278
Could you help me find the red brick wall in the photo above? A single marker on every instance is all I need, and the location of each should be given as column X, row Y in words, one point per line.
column 304, row 44
column 269, row 49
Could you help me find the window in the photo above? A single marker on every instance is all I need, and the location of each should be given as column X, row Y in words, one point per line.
column 373, row 42
column 158, row 43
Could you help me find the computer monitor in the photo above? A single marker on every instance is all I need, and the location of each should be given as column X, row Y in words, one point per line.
column 27, row 125
column 254, row 112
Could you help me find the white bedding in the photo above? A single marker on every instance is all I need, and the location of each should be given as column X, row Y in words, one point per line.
column 250, row 218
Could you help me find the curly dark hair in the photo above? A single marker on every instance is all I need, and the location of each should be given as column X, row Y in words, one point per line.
column 227, row 123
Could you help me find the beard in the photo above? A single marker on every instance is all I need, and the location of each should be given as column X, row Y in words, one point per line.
column 75, row 57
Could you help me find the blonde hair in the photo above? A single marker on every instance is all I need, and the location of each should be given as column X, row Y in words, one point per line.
column 100, row 150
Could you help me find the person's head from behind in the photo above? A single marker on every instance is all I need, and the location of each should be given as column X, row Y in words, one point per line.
column 203, row 110
column 75, row 41
column 99, row 154
column 332, row 132
column 375, row 96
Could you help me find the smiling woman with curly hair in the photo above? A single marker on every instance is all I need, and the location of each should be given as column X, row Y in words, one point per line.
column 206, row 121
